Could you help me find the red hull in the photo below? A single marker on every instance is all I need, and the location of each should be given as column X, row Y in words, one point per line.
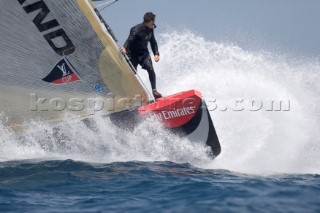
column 185, row 114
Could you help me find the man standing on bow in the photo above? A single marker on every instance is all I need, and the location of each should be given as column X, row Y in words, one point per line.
column 136, row 47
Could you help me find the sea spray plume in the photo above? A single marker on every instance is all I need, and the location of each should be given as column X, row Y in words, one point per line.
column 104, row 143
column 252, row 142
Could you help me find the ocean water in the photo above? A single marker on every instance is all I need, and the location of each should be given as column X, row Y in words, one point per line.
column 69, row 186
column 270, row 160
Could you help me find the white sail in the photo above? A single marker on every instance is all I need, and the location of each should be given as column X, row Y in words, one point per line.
column 54, row 53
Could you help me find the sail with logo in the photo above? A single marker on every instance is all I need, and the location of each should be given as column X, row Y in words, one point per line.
column 58, row 57
column 59, row 60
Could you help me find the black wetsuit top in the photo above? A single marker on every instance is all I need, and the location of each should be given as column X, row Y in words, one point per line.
column 137, row 49
column 139, row 38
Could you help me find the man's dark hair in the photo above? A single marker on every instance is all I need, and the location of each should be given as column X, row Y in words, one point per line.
column 149, row 17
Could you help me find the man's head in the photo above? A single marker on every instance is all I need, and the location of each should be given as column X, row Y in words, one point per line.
column 149, row 20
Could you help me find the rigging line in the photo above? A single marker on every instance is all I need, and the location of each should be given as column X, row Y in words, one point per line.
column 102, row 4
column 136, row 73
column 106, row 4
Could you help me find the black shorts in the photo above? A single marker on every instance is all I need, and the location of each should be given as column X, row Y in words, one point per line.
column 144, row 61
column 146, row 64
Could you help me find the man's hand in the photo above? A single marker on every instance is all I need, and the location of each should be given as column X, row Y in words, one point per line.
column 156, row 58
column 123, row 50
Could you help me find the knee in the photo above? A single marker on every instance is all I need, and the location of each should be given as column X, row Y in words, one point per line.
column 149, row 68
column 151, row 72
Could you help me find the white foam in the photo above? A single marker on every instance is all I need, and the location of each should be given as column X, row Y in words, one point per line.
column 252, row 142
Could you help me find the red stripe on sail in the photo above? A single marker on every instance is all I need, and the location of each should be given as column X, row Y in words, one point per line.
column 67, row 79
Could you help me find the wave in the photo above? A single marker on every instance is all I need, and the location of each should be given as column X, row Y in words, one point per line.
column 260, row 142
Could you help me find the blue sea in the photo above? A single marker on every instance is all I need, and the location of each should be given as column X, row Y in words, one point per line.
column 69, row 186
column 270, row 159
